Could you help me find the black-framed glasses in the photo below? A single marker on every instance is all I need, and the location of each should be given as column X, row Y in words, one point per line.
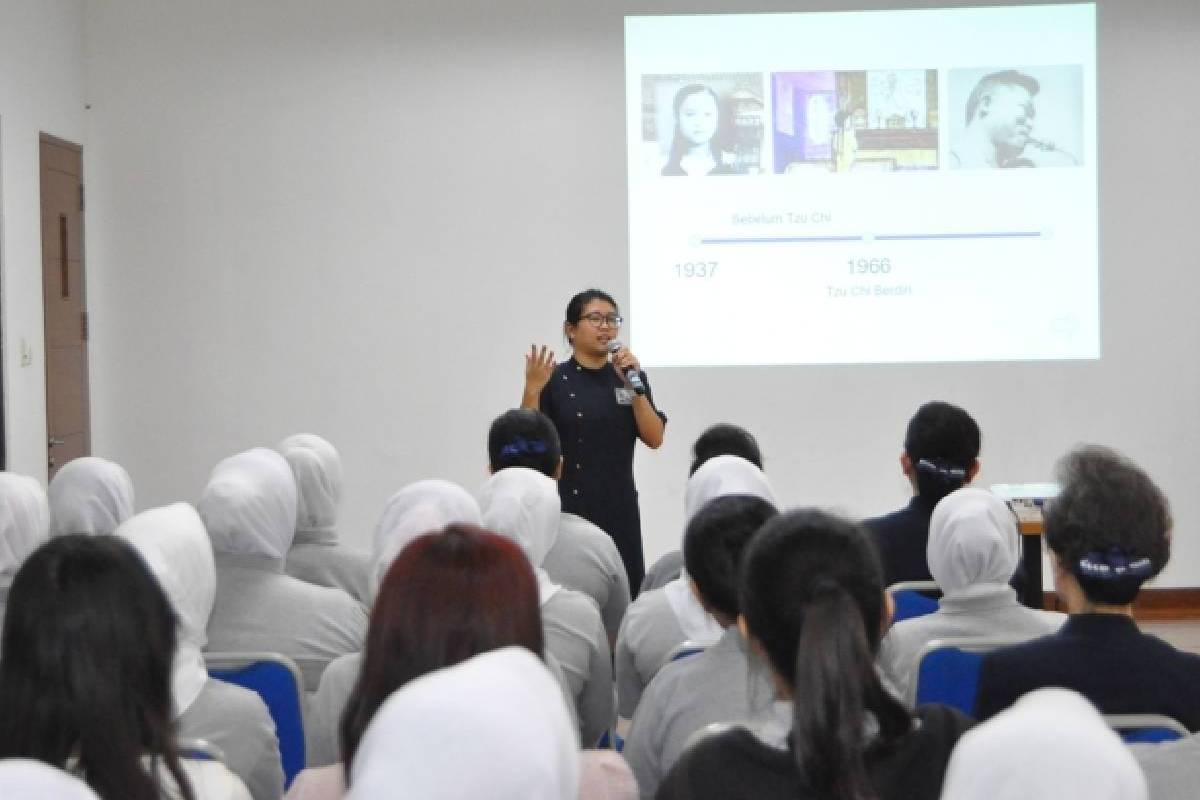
column 597, row 320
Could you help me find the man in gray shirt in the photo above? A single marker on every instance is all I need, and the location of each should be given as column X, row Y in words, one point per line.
column 719, row 684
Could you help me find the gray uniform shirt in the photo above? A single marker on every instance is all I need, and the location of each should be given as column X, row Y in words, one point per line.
column 585, row 558
column 718, row 685
column 259, row 609
column 237, row 721
column 648, row 635
column 576, row 638
column 326, row 562
column 666, row 569
column 994, row 614
column 1172, row 768
column 327, row 705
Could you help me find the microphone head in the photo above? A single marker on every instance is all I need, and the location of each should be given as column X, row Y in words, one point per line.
column 614, row 346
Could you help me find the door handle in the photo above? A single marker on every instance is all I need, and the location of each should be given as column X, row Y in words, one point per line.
column 55, row 441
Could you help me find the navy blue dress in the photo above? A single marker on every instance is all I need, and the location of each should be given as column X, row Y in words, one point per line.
column 593, row 412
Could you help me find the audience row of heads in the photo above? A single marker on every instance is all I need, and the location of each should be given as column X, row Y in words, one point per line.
column 119, row 622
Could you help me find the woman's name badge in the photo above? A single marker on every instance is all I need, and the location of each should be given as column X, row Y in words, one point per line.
column 625, row 396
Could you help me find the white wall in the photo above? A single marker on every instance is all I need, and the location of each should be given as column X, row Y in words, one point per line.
column 352, row 218
column 41, row 90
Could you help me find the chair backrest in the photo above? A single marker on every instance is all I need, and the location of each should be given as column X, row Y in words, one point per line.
column 913, row 599
column 683, row 650
column 948, row 670
column 1136, row 728
column 276, row 679
column 200, row 750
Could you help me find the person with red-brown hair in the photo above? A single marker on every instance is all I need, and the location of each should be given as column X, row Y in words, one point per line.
column 448, row 596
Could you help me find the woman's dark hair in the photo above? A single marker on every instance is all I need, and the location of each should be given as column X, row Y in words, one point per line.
column 85, row 670
column 1110, row 526
column 447, row 597
column 714, row 542
column 812, row 595
column 524, row 437
column 577, row 303
column 679, row 143
column 724, row 439
column 942, row 441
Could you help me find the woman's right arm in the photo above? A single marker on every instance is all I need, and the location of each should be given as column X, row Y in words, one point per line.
column 539, row 366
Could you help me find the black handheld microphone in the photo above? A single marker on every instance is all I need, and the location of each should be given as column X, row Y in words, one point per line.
column 631, row 374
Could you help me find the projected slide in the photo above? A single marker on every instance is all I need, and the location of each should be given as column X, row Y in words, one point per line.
column 863, row 187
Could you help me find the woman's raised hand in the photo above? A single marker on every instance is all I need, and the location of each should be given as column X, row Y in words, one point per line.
column 539, row 367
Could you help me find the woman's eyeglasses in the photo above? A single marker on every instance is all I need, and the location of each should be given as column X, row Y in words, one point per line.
column 598, row 320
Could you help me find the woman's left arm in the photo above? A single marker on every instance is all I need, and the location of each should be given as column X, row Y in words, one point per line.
column 650, row 425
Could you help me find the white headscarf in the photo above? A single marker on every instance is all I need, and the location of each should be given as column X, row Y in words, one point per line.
column 318, row 470
column 249, row 504
column 718, row 477
column 973, row 542
column 24, row 522
column 173, row 543
column 721, row 476
column 1052, row 743
column 26, row 779
column 523, row 504
column 415, row 510
column 493, row 726
column 89, row 495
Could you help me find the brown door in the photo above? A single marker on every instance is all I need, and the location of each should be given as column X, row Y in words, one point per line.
column 68, row 429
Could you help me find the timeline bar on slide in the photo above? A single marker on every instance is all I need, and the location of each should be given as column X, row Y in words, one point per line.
column 887, row 237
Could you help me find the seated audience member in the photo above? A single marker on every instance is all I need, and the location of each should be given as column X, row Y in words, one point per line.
column 941, row 454
column 1051, row 744
column 491, row 726
column 89, row 495
column 813, row 604
column 1108, row 531
column 249, row 508
column 24, row 526
column 419, row 508
column 973, row 550
column 449, row 595
column 1172, row 768
column 664, row 618
column 85, row 677
column 717, row 685
column 583, row 558
column 173, row 543
column 524, row 505
column 316, row 555
column 26, row 779
column 722, row 439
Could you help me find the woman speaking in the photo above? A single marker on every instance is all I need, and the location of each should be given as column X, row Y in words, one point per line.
column 600, row 413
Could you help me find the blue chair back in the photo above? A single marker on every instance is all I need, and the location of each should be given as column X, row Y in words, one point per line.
column 276, row 679
column 910, row 604
column 1146, row 728
column 914, row 599
column 200, row 750
column 948, row 670
column 949, row 676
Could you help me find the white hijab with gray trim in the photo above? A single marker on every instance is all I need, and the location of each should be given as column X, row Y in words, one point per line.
column 718, row 477
column 173, row 543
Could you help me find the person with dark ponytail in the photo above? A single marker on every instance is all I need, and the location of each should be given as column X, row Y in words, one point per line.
column 813, row 605
column 941, row 454
column 1108, row 531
